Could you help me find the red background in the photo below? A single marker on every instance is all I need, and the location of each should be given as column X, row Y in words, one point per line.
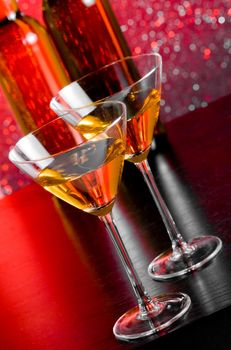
column 194, row 38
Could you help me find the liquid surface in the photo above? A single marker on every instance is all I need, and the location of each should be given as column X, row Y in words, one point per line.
column 87, row 177
column 141, row 124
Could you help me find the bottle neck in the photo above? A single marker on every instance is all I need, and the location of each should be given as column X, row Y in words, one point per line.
column 8, row 9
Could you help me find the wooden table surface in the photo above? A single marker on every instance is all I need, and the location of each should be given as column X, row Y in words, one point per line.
column 62, row 286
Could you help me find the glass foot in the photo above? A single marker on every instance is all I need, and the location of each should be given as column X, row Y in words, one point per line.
column 168, row 265
column 131, row 326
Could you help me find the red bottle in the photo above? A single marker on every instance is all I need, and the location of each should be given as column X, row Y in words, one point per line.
column 31, row 71
column 86, row 33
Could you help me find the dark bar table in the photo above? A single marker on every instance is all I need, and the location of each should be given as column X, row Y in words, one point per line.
column 62, row 286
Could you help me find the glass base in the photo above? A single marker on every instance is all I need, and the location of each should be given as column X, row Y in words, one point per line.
column 131, row 326
column 168, row 265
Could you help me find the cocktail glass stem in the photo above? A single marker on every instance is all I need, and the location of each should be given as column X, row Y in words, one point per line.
column 152, row 314
column 183, row 257
column 179, row 245
column 145, row 302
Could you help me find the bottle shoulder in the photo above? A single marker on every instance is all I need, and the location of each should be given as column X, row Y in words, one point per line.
column 25, row 27
column 23, row 21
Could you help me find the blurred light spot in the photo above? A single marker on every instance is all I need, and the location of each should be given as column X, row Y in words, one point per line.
column 196, row 87
column 207, row 54
column 221, row 20
column 191, row 107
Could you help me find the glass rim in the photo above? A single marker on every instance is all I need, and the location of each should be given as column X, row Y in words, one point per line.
column 54, row 155
column 150, row 54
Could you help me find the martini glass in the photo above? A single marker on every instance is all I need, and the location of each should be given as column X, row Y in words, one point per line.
column 136, row 81
column 83, row 167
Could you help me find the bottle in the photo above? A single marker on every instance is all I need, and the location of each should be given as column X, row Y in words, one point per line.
column 86, row 33
column 31, row 70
